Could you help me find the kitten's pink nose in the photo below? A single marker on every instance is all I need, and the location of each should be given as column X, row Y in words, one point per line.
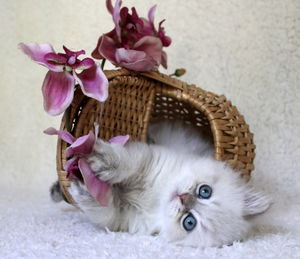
column 184, row 198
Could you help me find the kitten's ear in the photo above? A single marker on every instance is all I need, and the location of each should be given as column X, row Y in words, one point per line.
column 255, row 203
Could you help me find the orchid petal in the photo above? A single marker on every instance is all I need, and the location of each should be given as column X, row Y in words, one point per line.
column 93, row 83
column 129, row 26
column 72, row 168
column 82, row 146
column 73, row 53
column 148, row 28
column 85, row 64
column 129, row 55
column 37, row 53
column 164, row 59
column 116, row 18
column 166, row 41
column 109, row 6
column 97, row 188
column 70, row 163
column 151, row 14
column 144, row 65
column 55, row 58
column 64, row 135
column 135, row 60
column 152, row 46
column 107, row 49
column 136, row 19
column 122, row 140
column 74, row 173
column 123, row 15
column 96, row 53
column 58, row 91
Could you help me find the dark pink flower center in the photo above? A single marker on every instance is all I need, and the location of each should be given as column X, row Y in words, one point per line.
column 74, row 173
column 133, row 28
column 72, row 60
column 69, row 60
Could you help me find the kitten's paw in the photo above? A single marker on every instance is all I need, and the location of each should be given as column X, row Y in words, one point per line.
column 103, row 161
column 79, row 192
column 100, row 168
column 105, row 175
column 96, row 163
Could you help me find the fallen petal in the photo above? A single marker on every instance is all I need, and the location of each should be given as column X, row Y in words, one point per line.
column 93, row 83
column 97, row 188
column 37, row 53
column 122, row 140
column 64, row 135
column 58, row 91
column 82, row 146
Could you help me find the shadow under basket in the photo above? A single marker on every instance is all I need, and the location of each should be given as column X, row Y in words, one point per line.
column 137, row 99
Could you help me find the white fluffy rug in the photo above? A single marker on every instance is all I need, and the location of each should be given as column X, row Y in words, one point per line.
column 33, row 227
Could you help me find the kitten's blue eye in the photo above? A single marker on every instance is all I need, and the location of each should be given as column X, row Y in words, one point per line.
column 189, row 222
column 205, row 191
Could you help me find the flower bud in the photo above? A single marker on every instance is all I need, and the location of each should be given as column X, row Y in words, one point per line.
column 179, row 72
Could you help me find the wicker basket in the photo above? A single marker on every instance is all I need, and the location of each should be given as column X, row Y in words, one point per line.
column 135, row 99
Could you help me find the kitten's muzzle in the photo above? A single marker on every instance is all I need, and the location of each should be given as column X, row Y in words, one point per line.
column 188, row 200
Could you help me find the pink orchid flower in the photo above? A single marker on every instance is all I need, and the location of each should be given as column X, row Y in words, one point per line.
column 134, row 43
column 59, row 83
column 77, row 166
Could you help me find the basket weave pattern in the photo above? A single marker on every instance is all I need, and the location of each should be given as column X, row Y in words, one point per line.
column 136, row 99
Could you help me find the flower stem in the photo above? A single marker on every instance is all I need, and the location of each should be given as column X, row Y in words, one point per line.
column 103, row 63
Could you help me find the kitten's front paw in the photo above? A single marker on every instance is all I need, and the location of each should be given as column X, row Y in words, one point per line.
column 99, row 167
column 79, row 192
column 96, row 163
column 103, row 161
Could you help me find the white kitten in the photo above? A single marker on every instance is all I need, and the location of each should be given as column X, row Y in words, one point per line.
column 173, row 188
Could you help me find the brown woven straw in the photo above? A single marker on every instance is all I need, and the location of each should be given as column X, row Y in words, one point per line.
column 136, row 99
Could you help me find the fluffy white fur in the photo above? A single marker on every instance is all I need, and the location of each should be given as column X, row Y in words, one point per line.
column 147, row 182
